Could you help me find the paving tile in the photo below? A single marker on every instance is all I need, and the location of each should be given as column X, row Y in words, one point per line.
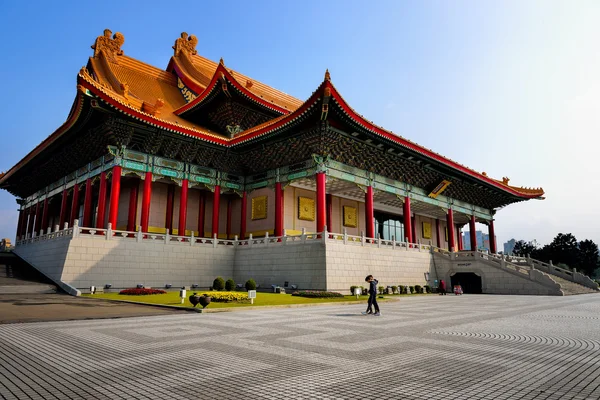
column 467, row 347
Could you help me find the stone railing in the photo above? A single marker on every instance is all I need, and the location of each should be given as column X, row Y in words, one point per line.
column 521, row 265
column 166, row 238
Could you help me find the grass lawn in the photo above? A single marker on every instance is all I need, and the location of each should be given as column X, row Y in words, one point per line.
column 262, row 299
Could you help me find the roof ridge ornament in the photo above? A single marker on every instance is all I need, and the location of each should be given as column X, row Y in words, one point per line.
column 111, row 47
column 327, row 75
column 186, row 44
column 221, row 61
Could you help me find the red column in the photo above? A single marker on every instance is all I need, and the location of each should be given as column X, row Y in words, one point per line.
column 243, row 221
column 407, row 221
column 87, row 204
column 369, row 213
column 278, row 210
column 450, row 225
column 101, row 202
column 183, row 207
column 329, row 208
column 38, row 218
column 63, row 210
column 146, row 197
column 215, row 216
column 492, row 237
column 473, row 233
column 74, row 205
column 44, row 221
column 169, row 212
column 437, row 233
column 459, row 238
column 115, row 190
column 228, row 225
column 321, row 213
column 132, row 213
column 202, row 212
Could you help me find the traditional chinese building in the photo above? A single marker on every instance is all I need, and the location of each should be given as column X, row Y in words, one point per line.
column 200, row 150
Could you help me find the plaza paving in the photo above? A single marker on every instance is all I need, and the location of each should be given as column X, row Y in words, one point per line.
column 426, row 347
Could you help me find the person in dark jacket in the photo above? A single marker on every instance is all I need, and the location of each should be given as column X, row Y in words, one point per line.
column 372, row 296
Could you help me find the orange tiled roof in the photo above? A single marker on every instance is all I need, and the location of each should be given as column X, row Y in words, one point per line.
column 153, row 91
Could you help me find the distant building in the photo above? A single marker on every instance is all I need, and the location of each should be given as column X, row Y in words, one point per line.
column 483, row 240
column 509, row 247
column 5, row 244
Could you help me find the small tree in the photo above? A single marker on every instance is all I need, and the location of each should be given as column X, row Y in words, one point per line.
column 218, row 283
column 418, row 289
column 250, row 284
column 230, row 284
column 381, row 289
column 394, row 289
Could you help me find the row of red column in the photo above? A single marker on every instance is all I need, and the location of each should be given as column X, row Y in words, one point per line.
column 324, row 217
column 324, row 206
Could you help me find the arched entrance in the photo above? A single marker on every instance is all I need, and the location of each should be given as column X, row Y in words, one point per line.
column 470, row 282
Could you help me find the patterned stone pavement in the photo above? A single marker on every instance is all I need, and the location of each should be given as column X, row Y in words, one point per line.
column 434, row 347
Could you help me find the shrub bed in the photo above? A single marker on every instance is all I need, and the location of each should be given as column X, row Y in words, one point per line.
column 226, row 297
column 141, row 292
column 316, row 293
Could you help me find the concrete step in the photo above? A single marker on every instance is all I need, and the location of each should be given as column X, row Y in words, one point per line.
column 27, row 289
column 570, row 288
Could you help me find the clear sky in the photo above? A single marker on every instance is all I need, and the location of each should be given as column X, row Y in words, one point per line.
column 511, row 88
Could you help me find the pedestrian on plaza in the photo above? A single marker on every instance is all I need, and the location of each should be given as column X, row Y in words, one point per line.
column 372, row 296
column 442, row 288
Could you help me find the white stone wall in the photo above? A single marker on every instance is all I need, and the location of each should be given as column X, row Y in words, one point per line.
column 349, row 264
column 301, row 264
column 84, row 261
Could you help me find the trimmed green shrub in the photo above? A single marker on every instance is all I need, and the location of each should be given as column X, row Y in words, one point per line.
column 418, row 289
column 412, row 289
column 381, row 289
column 250, row 284
column 427, row 289
column 316, row 293
column 218, row 283
column 230, row 284
column 394, row 289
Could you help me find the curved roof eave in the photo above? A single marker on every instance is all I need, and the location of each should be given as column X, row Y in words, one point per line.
column 424, row 151
column 147, row 118
column 221, row 72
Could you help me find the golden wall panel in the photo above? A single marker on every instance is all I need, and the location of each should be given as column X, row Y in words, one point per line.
column 426, row 231
column 306, row 209
column 259, row 207
column 350, row 217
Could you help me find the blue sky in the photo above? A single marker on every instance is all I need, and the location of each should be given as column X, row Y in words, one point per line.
column 511, row 88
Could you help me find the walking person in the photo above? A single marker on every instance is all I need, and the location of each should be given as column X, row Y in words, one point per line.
column 442, row 288
column 372, row 296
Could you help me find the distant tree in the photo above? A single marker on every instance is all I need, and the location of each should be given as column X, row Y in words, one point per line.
column 565, row 249
column 588, row 257
column 543, row 253
column 523, row 248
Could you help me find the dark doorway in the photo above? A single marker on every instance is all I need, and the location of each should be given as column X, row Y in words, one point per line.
column 470, row 282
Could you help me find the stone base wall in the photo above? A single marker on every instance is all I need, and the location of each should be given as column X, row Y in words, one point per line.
column 349, row 264
column 122, row 262
column 78, row 261
column 300, row 264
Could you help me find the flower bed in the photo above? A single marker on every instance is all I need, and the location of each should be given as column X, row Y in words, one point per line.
column 141, row 292
column 225, row 297
column 316, row 293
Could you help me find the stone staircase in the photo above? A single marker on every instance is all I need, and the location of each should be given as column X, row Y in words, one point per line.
column 570, row 288
column 18, row 277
